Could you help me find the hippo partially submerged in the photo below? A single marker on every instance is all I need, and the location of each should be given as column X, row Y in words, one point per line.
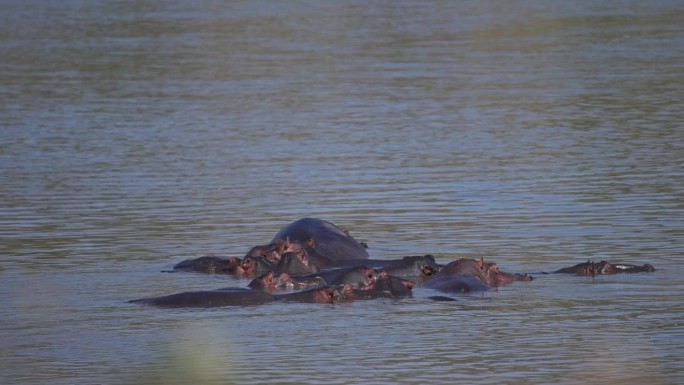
column 591, row 268
column 239, row 297
column 209, row 264
column 326, row 239
column 326, row 264
column 486, row 272
column 470, row 275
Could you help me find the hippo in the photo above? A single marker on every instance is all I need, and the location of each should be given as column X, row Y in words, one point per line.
column 209, row 264
column 274, row 250
column 270, row 283
column 384, row 286
column 357, row 277
column 591, row 268
column 418, row 267
column 321, row 294
column 323, row 237
column 458, row 283
column 285, row 281
column 293, row 263
column 487, row 273
column 253, row 266
column 628, row 268
column 239, row 297
column 296, row 263
column 209, row 298
column 267, row 282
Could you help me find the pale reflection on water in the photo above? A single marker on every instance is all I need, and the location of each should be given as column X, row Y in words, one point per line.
column 135, row 135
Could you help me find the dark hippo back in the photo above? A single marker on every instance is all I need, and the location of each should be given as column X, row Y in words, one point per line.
column 325, row 238
column 210, row 298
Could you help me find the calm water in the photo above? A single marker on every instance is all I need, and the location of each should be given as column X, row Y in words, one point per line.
column 537, row 134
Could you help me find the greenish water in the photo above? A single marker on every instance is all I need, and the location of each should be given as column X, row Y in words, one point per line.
column 538, row 134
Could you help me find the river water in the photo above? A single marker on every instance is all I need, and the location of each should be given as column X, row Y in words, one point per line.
column 136, row 134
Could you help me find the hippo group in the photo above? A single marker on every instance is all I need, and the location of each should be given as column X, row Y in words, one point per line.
column 313, row 260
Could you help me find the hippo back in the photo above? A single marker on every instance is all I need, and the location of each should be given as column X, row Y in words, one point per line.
column 328, row 240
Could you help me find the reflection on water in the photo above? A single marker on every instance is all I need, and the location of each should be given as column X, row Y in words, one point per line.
column 135, row 135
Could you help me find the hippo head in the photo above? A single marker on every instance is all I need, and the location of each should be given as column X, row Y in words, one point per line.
column 266, row 282
column 246, row 267
column 428, row 266
column 326, row 294
column 368, row 276
column 602, row 268
column 347, row 293
column 251, row 266
column 297, row 262
column 495, row 277
column 284, row 280
column 389, row 286
column 284, row 246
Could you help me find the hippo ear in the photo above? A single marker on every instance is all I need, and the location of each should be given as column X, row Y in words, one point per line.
column 494, row 268
column 310, row 243
column 247, row 263
column 482, row 263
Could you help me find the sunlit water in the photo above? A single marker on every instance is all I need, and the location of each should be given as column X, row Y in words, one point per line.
column 137, row 134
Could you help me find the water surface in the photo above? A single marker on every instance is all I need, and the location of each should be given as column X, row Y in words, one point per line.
column 538, row 135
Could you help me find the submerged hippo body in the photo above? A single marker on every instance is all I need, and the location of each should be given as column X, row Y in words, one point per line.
column 591, row 268
column 239, row 297
column 209, row 264
column 326, row 239
column 358, row 276
column 456, row 284
column 210, row 298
